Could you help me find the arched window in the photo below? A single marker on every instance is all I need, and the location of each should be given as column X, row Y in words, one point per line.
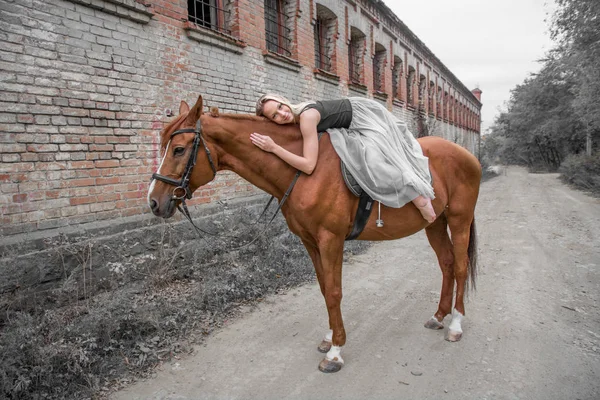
column 410, row 86
column 396, row 78
column 422, row 89
column 278, row 26
column 356, row 52
column 379, row 61
column 446, row 105
column 430, row 97
column 325, row 33
column 211, row 14
column 438, row 107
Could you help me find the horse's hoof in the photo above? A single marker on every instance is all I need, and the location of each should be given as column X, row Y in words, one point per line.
column 433, row 323
column 324, row 346
column 330, row 365
column 454, row 336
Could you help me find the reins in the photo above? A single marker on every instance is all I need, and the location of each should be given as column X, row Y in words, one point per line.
column 184, row 210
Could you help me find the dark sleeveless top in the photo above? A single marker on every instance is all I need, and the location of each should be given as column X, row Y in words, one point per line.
column 334, row 113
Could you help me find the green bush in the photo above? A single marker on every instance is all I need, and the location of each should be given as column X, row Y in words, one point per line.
column 582, row 172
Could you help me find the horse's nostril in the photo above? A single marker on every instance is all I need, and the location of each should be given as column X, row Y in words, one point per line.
column 154, row 205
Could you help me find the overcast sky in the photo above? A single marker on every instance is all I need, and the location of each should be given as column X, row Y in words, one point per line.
column 493, row 44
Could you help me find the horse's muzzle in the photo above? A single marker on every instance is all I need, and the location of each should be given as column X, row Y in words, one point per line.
column 166, row 211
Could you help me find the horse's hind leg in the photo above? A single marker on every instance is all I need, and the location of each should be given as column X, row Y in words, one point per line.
column 437, row 233
column 460, row 228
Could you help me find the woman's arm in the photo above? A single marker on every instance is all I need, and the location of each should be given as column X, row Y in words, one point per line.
column 310, row 144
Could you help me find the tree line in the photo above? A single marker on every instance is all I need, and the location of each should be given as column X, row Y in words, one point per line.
column 554, row 115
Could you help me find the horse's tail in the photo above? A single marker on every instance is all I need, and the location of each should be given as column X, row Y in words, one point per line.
column 472, row 261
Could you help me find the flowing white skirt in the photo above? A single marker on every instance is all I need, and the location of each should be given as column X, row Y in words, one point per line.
column 382, row 155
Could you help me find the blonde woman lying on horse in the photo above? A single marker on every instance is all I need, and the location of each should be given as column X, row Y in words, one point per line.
column 377, row 148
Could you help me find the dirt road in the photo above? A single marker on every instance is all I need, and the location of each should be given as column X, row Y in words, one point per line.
column 532, row 329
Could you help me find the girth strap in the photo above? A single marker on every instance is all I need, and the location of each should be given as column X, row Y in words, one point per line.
column 365, row 206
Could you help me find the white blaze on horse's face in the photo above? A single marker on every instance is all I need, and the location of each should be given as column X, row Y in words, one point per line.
column 158, row 172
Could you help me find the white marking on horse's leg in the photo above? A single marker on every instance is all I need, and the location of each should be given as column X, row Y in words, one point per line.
column 457, row 318
column 151, row 188
column 433, row 323
column 335, row 354
column 325, row 345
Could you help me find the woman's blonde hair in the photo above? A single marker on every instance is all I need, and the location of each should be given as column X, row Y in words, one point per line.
column 296, row 108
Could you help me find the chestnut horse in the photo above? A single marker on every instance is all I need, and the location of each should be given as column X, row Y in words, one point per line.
column 321, row 209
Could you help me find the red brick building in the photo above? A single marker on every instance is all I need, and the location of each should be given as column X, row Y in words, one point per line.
column 86, row 86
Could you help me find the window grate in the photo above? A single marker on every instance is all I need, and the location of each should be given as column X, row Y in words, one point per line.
column 410, row 81
column 378, row 61
column 396, row 79
column 209, row 14
column 277, row 33
column 354, row 62
column 431, row 93
column 322, row 46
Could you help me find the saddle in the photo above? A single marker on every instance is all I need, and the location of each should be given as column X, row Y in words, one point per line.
column 365, row 204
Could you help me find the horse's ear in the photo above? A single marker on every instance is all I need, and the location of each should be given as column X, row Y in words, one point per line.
column 183, row 107
column 196, row 111
column 214, row 111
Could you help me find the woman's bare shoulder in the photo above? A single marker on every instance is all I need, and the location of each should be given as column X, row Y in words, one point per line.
column 310, row 115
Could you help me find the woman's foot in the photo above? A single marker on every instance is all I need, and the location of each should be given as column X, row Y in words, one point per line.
column 424, row 206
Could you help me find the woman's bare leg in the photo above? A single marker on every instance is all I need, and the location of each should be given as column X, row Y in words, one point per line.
column 424, row 206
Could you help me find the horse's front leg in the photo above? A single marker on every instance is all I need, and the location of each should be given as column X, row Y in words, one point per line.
column 315, row 256
column 331, row 250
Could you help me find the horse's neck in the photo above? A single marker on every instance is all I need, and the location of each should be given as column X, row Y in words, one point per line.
column 238, row 154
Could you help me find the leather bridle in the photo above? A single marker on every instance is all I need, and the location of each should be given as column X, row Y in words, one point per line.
column 182, row 187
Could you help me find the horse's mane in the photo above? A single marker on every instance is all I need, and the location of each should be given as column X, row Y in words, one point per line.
column 248, row 117
column 268, row 125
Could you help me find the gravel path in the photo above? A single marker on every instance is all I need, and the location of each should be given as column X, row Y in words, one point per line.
column 532, row 329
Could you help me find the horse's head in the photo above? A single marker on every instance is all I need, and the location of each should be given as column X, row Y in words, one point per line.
column 187, row 162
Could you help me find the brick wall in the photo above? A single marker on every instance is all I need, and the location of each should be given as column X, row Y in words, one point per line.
column 86, row 86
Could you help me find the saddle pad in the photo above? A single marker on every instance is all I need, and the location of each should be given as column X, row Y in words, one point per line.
column 351, row 183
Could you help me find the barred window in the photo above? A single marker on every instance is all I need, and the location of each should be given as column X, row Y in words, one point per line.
column 210, row 14
column 410, row 85
column 356, row 51
column 439, row 102
column 446, row 105
column 325, row 33
column 396, row 76
column 431, row 96
column 422, row 87
column 379, row 62
column 276, row 26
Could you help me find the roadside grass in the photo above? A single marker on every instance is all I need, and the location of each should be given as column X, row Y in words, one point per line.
column 582, row 172
column 112, row 317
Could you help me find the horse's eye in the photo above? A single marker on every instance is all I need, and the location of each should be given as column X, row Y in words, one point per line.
column 178, row 151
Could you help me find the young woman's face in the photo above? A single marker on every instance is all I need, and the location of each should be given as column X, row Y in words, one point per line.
column 277, row 112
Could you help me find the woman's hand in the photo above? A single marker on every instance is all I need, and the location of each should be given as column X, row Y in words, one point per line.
column 263, row 142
